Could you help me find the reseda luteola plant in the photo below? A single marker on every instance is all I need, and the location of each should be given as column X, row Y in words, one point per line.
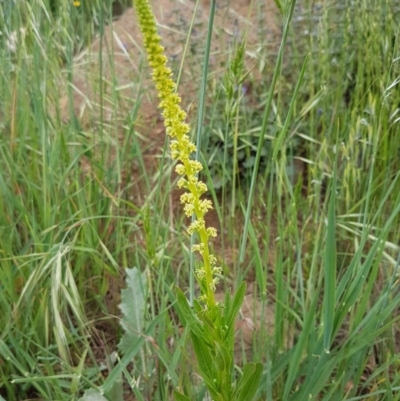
column 211, row 324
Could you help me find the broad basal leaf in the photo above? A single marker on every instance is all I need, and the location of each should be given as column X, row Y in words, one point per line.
column 133, row 303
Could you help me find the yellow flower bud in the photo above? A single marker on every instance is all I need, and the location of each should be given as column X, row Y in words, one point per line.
column 211, row 232
column 180, row 169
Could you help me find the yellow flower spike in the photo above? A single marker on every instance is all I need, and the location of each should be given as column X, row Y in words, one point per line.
column 181, row 149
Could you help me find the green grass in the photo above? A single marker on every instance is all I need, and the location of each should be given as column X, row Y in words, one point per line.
column 322, row 249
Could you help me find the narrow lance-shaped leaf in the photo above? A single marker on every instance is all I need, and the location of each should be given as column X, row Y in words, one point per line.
column 248, row 383
column 188, row 314
column 180, row 396
column 205, row 364
column 330, row 267
column 236, row 304
column 278, row 141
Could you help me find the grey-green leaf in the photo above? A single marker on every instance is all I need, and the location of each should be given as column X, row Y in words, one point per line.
column 133, row 303
column 92, row 395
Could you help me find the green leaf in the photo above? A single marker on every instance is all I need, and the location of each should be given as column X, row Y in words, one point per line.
column 203, row 355
column 330, row 267
column 165, row 359
column 248, row 384
column 130, row 354
column 205, row 363
column 187, row 312
column 279, row 6
column 223, row 357
column 228, row 331
column 300, row 348
column 133, row 303
column 279, row 139
column 116, row 391
column 227, row 302
column 236, row 305
column 180, row 396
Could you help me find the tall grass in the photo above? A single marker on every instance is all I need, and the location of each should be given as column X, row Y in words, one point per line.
column 323, row 224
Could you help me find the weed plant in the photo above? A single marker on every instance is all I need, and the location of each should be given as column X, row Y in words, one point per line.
column 314, row 230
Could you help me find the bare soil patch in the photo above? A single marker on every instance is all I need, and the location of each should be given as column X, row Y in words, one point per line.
column 111, row 70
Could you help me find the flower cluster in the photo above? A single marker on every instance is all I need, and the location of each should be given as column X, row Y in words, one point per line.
column 181, row 149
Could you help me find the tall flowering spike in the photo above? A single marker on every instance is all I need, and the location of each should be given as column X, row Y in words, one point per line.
column 181, row 150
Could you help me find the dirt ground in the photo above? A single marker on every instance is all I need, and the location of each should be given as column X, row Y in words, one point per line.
column 121, row 82
column 122, row 55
